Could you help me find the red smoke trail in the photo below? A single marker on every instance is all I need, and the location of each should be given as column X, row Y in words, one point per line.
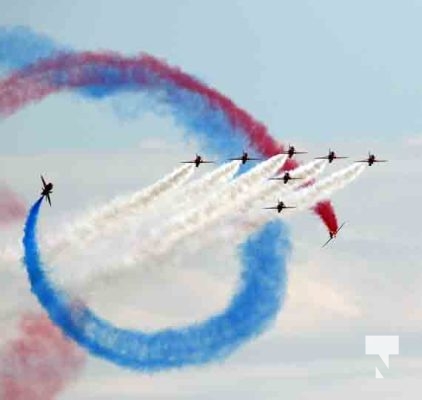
column 12, row 207
column 32, row 83
column 39, row 363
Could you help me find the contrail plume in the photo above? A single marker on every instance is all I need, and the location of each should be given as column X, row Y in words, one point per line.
column 218, row 205
column 301, row 199
column 107, row 218
column 201, row 187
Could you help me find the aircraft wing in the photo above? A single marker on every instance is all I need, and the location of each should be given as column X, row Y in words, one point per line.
column 331, row 238
column 48, row 198
column 276, row 179
column 234, row 159
column 380, row 160
column 271, row 208
column 340, row 157
column 321, row 158
column 289, row 207
column 301, row 152
column 188, row 162
column 207, row 162
column 254, row 159
column 43, row 181
column 362, row 161
column 341, row 226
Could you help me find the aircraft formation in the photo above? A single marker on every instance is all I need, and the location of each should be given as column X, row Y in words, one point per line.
column 47, row 188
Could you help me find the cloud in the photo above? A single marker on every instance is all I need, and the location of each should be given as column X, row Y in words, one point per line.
column 318, row 379
column 414, row 140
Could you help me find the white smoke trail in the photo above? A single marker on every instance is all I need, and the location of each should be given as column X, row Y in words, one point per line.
column 216, row 206
column 187, row 222
column 324, row 188
column 250, row 188
column 230, row 199
column 272, row 188
column 106, row 218
column 252, row 205
column 302, row 199
column 193, row 191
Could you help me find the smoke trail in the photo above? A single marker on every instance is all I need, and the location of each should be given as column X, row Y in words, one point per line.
column 108, row 217
column 193, row 191
column 39, row 363
column 306, row 173
column 19, row 47
column 241, row 195
column 208, row 113
column 251, row 309
column 216, row 121
column 252, row 207
column 216, row 206
column 11, row 207
column 301, row 199
column 325, row 187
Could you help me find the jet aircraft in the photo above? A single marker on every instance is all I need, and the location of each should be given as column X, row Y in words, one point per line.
column 285, row 178
column 47, row 189
column 333, row 235
column 292, row 151
column 330, row 157
column 198, row 161
column 371, row 159
column 279, row 207
column 245, row 157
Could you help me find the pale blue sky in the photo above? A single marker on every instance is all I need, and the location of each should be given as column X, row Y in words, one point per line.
column 319, row 73
column 310, row 70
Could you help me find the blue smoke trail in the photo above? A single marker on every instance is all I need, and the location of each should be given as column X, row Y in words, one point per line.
column 251, row 309
column 263, row 279
column 20, row 47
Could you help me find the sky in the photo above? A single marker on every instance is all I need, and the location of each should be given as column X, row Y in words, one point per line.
column 344, row 75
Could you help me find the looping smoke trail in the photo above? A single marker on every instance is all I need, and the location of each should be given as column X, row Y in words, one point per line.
column 217, row 122
column 251, row 309
column 220, row 127
column 208, row 113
